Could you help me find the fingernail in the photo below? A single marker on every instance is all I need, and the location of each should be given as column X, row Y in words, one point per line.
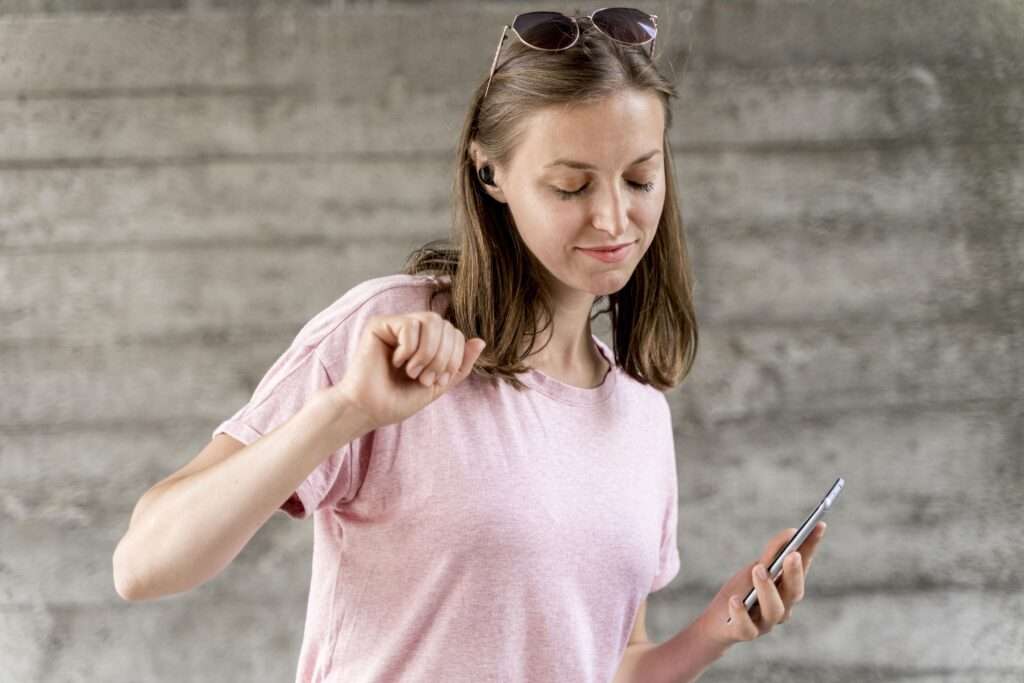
column 761, row 572
column 444, row 378
column 735, row 601
column 413, row 369
column 428, row 376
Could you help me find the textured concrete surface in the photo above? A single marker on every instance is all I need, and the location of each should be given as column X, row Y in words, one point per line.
column 184, row 184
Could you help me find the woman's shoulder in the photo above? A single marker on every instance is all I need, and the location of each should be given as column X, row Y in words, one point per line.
column 397, row 286
column 385, row 295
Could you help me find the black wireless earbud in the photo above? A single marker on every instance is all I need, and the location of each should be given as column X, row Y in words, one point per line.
column 486, row 175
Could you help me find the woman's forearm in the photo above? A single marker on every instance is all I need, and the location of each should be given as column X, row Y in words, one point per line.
column 680, row 659
column 188, row 530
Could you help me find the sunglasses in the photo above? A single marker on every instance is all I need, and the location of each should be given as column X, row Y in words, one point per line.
column 554, row 31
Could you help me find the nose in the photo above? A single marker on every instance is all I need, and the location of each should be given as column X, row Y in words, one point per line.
column 611, row 214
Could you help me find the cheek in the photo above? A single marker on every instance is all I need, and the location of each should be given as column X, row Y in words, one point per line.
column 544, row 226
column 651, row 211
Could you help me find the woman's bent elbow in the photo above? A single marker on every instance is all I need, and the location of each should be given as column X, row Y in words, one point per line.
column 123, row 581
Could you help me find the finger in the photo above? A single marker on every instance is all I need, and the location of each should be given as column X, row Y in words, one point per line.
column 769, row 600
column 474, row 347
column 792, row 587
column 438, row 358
column 743, row 625
column 443, row 360
column 777, row 542
column 810, row 545
column 413, row 365
column 455, row 360
column 430, row 340
column 408, row 338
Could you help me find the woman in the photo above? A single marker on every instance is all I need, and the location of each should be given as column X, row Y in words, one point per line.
column 495, row 514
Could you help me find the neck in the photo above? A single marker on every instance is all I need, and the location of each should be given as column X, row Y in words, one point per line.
column 570, row 348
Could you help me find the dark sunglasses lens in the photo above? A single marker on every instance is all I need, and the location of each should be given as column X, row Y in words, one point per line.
column 546, row 30
column 625, row 24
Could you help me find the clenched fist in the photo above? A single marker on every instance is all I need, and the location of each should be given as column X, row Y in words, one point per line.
column 405, row 362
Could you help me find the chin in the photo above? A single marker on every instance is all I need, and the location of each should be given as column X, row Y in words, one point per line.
column 609, row 282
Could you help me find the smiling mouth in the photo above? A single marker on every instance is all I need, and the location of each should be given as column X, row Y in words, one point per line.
column 606, row 249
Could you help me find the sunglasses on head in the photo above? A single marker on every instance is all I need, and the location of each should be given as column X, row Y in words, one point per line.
column 554, row 31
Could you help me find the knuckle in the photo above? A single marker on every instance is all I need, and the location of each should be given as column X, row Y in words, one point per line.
column 419, row 322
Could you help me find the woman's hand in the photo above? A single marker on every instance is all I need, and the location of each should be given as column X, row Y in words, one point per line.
column 400, row 361
column 774, row 602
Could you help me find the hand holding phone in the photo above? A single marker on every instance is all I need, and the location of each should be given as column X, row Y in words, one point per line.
column 723, row 623
column 805, row 529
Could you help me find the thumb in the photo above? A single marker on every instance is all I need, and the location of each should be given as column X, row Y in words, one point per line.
column 387, row 328
column 474, row 347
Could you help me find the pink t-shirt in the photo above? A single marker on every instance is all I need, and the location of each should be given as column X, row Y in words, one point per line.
column 492, row 536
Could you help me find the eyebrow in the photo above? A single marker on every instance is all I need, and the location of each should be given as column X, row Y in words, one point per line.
column 579, row 164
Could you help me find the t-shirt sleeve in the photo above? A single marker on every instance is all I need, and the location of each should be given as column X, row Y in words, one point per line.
column 291, row 381
column 668, row 559
column 316, row 359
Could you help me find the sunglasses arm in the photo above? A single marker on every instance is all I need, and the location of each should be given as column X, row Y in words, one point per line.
column 504, row 30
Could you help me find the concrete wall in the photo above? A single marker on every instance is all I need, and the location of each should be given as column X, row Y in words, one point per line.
column 183, row 183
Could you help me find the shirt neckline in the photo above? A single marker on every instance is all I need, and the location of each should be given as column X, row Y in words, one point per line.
column 568, row 393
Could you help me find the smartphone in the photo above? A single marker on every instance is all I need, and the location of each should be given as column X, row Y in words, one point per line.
column 794, row 543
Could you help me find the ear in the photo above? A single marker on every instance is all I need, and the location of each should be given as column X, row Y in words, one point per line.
column 479, row 161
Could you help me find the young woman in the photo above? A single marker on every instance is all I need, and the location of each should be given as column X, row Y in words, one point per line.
column 489, row 507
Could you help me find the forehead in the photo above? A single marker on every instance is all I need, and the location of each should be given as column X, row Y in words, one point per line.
column 611, row 132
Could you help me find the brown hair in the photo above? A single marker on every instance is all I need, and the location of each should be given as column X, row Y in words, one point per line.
column 495, row 293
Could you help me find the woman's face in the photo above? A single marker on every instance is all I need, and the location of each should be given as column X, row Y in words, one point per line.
column 619, row 200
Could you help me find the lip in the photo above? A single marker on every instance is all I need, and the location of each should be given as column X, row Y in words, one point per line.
column 610, row 256
column 626, row 244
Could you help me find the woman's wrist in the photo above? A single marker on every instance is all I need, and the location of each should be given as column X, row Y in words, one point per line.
column 707, row 642
column 346, row 411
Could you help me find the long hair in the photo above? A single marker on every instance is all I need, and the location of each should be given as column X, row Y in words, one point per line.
column 491, row 276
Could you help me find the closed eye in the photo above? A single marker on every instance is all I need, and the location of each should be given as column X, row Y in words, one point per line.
column 639, row 187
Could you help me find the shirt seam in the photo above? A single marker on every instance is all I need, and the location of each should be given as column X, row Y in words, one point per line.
column 345, row 466
column 317, row 346
column 351, row 313
column 571, row 402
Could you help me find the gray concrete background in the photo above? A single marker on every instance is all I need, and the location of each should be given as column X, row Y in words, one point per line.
column 184, row 183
